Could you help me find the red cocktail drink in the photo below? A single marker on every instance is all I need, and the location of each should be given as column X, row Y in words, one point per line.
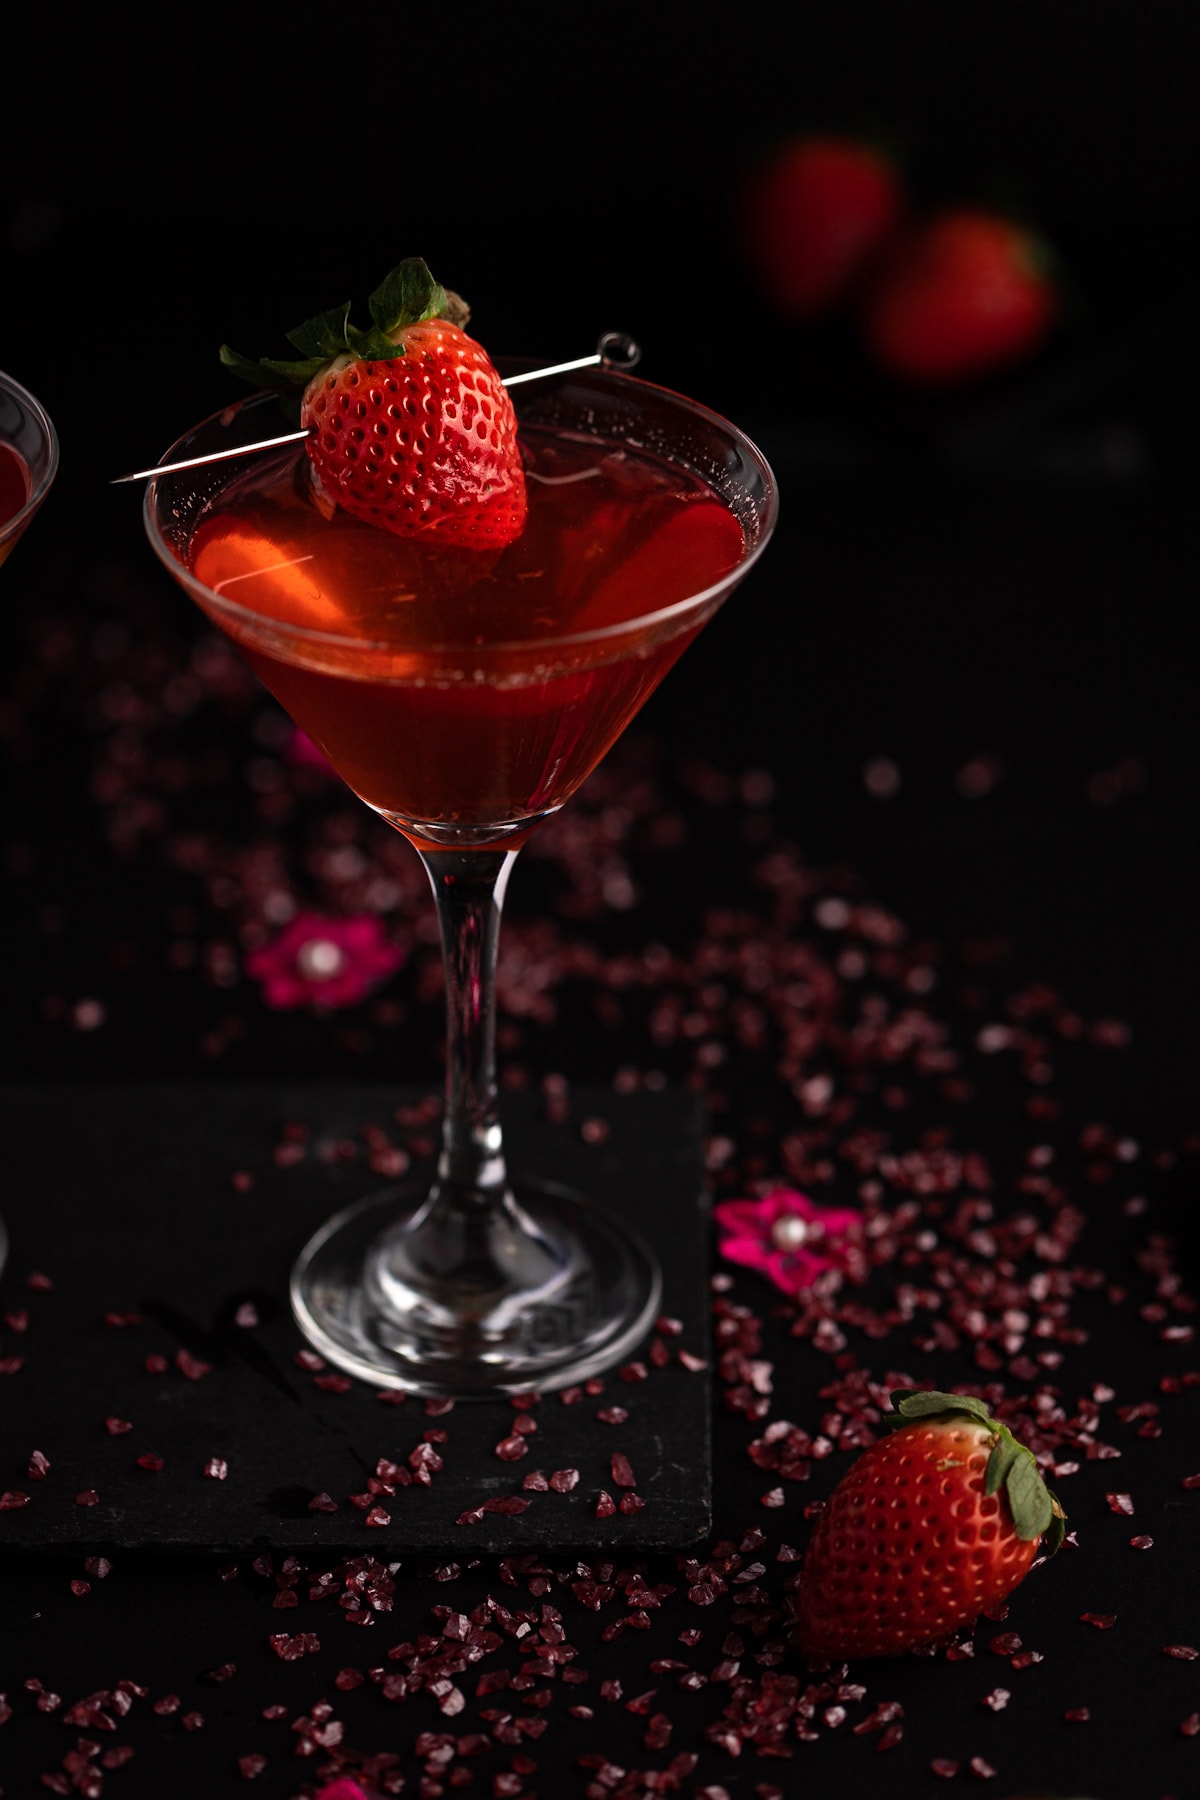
column 458, row 691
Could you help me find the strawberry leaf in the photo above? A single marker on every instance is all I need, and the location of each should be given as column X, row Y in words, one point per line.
column 922, row 1403
column 1028, row 1497
column 296, row 374
column 323, row 337
column 1004, row 1454
column 406, row 296
column 274, row 378
column 1058, row 1526
column 371, row 345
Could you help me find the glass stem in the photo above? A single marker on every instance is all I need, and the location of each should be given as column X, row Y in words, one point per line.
column 468, row 887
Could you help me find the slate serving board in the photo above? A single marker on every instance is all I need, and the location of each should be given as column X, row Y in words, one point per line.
column 154, row 1220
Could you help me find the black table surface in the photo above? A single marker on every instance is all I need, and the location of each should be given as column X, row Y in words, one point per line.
column 895, row 876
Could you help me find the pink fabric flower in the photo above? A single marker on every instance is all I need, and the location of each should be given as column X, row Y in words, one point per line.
column 787, row 1237
column 321, row 962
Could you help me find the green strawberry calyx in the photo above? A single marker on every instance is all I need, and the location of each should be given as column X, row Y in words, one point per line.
column 408, row 295
column 1036, row 1512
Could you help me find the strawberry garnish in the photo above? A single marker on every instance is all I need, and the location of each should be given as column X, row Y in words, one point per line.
column 815, row 214
column 410, row 427
column 965, row 292
column 927, row 1529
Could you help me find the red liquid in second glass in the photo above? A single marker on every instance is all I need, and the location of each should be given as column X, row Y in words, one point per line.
column 445, row 686
column 15, row 489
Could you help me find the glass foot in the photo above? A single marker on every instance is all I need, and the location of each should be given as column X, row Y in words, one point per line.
column 561, row 1292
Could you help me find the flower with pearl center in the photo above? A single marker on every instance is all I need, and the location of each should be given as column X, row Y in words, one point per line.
column 788, row 1237
column 323, row 962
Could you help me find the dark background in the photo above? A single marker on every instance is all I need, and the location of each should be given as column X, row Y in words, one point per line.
column 1003, row 572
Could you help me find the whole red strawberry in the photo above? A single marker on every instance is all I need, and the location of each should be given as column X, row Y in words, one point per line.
column 964, row 292
column 928, row 1528
column 814, row 215
column 410, row 426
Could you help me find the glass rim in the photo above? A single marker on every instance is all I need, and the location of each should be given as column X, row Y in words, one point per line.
column 12, row 526
column 598, row 635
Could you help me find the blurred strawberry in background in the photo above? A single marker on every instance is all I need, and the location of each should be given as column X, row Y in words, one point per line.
column 966, row 290
column 815, row 214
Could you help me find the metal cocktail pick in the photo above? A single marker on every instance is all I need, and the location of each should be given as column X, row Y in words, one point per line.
column 614, row 351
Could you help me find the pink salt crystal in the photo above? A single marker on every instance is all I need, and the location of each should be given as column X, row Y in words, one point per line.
column 1181, row 1652
column 12, row 1499
column 1102, row 1621
column 563, row 1480
column 1077, row 1715
column 216, row 1468
column 945, row 1767
column 117, row 1427
column 1141, row 1542
column 89, row 1497
column 39, row 1466
column 606, row 1506
column 622, row 1470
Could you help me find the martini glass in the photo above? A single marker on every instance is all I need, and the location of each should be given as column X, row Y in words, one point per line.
column 28, row 465
column 465, row 696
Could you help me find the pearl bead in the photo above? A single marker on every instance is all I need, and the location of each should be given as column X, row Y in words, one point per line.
column 789, row 1232
column 320, row 959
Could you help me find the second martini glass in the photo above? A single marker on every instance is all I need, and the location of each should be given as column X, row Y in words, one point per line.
column 28, row 465
column 466, row 700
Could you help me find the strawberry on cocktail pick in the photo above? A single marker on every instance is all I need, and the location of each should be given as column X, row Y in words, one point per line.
column 927, row 1529
column 409, row 425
